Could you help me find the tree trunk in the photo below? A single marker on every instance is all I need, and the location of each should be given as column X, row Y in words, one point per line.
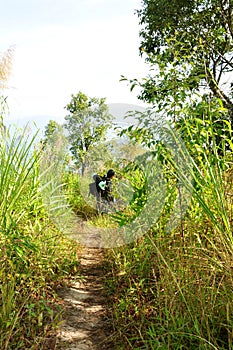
column 83, row 167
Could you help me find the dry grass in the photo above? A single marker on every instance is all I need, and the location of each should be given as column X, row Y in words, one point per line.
column 5, row 67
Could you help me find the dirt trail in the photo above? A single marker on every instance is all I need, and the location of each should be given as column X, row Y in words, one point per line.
column 85, row 325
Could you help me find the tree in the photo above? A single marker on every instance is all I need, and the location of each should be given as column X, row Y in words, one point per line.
column 51, row 130
column 55, row 143
column 190, row 48
column 87, row 123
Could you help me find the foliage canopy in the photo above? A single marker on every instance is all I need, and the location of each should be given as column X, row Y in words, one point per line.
column 86, row 123
column 190, row 43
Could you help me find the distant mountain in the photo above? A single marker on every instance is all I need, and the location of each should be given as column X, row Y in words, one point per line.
column 34, row 122
column 118, row 110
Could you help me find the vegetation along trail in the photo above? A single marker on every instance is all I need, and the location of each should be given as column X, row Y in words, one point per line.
column 85, row 325
column 154, row 270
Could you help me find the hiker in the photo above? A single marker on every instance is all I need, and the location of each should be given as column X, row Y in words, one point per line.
column 103, row 193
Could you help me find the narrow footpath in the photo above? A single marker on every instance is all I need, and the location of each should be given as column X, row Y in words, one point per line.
column 85, row 325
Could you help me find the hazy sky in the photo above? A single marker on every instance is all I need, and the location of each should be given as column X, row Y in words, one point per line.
column 62, row 47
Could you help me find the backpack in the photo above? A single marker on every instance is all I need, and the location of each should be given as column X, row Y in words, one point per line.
column 94, row 188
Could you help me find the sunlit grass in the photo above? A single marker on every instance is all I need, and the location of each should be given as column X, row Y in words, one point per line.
column 173, row 290
column 35, row 255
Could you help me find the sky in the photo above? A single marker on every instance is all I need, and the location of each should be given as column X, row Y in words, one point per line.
column 61, row 47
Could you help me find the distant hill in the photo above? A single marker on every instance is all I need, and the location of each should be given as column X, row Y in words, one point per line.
column 34, row 122
column 118, row 110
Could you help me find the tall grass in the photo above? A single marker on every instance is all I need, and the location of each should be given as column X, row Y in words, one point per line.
column 173, row 290
column 35, row 254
